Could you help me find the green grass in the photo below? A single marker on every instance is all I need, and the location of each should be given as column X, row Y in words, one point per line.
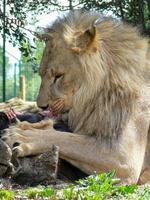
column 6, row 195
column 32, row 193
column 95, row 187
column 98, row 187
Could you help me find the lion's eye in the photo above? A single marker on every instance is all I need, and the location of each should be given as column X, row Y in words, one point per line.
column 57, row 77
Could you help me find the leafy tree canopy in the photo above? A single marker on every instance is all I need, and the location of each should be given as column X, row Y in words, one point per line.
column 19, row 13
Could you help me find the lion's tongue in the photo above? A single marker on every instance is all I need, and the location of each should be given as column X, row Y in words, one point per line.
column 52, row 112
column 49, row 113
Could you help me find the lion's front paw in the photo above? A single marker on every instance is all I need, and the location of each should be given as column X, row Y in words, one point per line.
column 28, row 142
column 13, row 137
column 21, row 150
column 18, row 140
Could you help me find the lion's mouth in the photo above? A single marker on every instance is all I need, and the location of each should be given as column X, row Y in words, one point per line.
column 55, row 110
column 50, row 113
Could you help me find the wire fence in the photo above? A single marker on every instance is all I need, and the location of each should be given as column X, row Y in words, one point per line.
column 14, row 75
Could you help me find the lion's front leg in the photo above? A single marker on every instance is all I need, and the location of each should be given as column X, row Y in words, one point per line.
column 84, row 152
column 27, row 142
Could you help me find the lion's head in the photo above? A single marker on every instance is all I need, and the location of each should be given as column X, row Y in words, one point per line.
column 92, row 68
column 60, row 76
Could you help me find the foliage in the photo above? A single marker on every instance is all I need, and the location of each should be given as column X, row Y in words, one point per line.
column 145, row 194
column 19, row 13
column 32, row 193
column 6, row 195
column 11, row 23
column 136, row 12
column 35, row 58
column 95, row 187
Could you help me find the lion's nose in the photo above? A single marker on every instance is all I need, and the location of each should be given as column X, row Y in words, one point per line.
column 41, row 104
column 43, row 107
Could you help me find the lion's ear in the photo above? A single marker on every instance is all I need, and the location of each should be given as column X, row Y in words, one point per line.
column 87, row 40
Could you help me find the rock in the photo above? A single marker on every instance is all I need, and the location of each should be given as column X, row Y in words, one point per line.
column 5, row 159
column 39, row 169
column 33, row 170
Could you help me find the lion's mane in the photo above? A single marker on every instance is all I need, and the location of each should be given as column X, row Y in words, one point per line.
column 112, row 62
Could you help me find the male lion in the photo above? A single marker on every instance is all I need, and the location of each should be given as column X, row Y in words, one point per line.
column 95, row 69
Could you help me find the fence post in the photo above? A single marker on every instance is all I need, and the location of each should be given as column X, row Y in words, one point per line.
column 15, row 80
column 22, row 88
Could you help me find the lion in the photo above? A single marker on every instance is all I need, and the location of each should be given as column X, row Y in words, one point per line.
column 95, row 70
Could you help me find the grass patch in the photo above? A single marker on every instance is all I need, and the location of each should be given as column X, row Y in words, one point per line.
column 6, row 195
column 145, row 195
column 33, row 193
column 95, row 187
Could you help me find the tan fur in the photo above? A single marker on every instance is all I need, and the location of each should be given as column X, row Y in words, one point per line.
column 96, row 70
column 45, row 124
